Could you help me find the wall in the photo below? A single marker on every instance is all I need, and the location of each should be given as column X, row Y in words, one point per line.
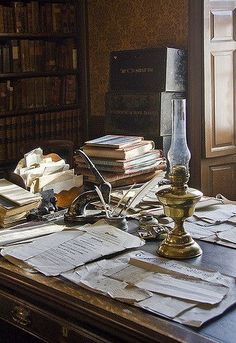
column 129, row 24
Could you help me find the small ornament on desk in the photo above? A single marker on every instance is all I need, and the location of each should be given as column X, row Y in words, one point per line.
column 150, row 229
column 48, row 209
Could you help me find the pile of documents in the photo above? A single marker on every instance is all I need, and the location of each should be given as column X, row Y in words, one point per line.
column 41, row 172
column 215, row 223
column 65, row 250
column 15, row 203
column 176, row 290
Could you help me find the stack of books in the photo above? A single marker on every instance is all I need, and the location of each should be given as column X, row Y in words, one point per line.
column 122, row 160
column 15, row 203
column 142, row 85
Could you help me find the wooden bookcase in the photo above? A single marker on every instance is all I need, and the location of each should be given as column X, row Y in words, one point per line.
column 43, row 75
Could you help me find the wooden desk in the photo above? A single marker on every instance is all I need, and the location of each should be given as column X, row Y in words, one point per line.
column 59, row 311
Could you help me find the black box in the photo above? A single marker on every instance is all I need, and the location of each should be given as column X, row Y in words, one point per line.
column 157, row 70
column 145, row 114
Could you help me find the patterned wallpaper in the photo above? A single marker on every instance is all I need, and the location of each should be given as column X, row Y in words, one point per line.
column 129, row 24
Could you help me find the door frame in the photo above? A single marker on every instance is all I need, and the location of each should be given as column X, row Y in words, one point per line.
column 195, row 96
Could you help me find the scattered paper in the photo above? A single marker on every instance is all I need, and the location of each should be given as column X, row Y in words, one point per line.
column 22, row 233
column 194, row 290
column 62, row 251
column 120, row 277
column 229, row 235
column 217, row 213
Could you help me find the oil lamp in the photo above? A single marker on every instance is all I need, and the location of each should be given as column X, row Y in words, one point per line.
column 178, row 199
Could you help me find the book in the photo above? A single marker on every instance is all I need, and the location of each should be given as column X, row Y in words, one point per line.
column 12, row 219
column 124, row 180
column 129, row 113
column 123, row 166
column 16, row 194
column 8, row 208
column 149, row 156
column 114, row 141
column 121, row 153
column 160, row 164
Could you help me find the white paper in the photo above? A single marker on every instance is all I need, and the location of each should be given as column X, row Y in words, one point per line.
column 192, row 313
column 18, row 235
column 59, row 252
column 166, row 306
column 201, row 314
column 194, row 290
column 217, row 213
column 159, row 264
column 229, row 235
column 33, row 157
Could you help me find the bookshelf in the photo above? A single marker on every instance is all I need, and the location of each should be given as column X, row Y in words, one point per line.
column 43, row 78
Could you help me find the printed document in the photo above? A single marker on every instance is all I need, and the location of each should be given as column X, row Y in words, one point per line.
column 62, row 251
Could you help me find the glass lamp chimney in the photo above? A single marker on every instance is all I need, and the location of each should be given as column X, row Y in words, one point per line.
column 179, row 154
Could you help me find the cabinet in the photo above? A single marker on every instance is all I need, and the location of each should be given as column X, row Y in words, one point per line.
column 42, row 74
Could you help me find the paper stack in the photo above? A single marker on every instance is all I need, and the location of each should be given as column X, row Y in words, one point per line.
column 15, row 203
column 41, row 172
column 122, row 159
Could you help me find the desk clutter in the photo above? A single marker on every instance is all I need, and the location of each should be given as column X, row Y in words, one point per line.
column 146, row 281
column 84, row 253
column 15, row 203
column 42, row 172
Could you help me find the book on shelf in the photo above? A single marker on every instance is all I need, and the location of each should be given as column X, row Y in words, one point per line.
column 126, row 152
column 37, row 16
column 114, row 141
column 122, row 166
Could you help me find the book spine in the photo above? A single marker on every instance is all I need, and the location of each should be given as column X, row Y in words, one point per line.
column 20, row 17
column 2, row 139
column 6, row 58
column 1, row 19
column 3, row 97
column 15, row 53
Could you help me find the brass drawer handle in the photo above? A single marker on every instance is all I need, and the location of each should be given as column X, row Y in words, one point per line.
column 21, row 315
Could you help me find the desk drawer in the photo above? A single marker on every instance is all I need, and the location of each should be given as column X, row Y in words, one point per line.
column 43, row 324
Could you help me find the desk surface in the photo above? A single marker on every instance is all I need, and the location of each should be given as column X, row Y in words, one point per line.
column 60, row 311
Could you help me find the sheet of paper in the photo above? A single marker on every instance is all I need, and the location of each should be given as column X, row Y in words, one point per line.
column 33, row 157
column 22, row 234
column 199, row 315
column 217, row 213
column 58, row 186
column 57, row 253
column 229, row 235
column 194, row 290
column 166, row 306
column 131, row 274
column 158, row 264
column 197, row 231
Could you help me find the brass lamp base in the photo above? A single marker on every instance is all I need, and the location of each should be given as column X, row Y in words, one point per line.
column 179, row 247
column 179, row 203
